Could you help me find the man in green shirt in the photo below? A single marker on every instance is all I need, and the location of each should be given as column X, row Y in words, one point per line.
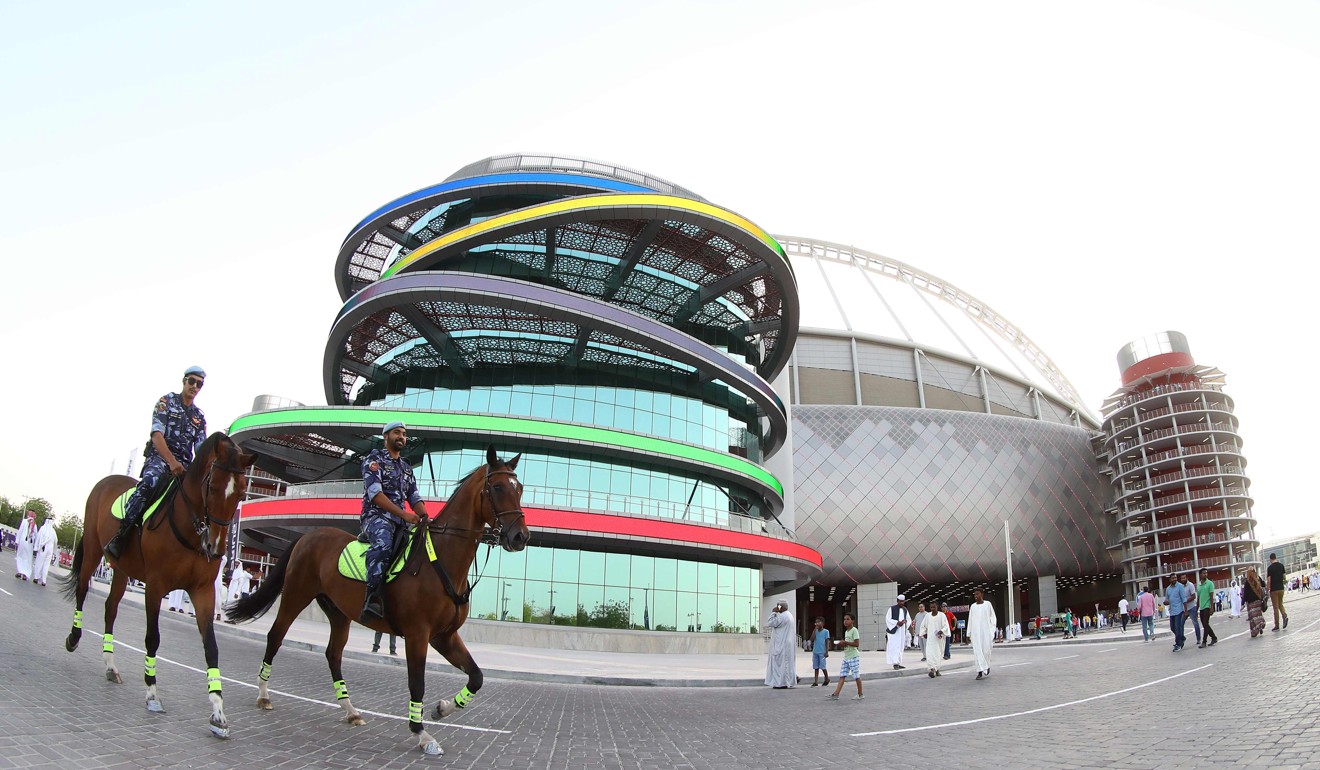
column 1205, row 602
column 852, row 661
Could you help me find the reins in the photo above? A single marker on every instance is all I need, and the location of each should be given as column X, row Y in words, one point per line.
column 488, row 535
column 199, row 523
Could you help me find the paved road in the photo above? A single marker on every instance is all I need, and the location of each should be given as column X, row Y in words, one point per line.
column 1242, row 703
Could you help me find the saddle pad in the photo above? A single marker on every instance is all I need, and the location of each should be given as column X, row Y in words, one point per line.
column 353, row 561
column 117, row 507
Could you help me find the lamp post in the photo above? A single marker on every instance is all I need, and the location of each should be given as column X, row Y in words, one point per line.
column 552, row 606
column 504, row 601
column 1012, row 591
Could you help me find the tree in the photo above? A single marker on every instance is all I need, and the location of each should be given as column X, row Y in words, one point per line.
column 68, row 529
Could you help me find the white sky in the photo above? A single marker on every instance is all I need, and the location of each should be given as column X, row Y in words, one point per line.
column 175, row 178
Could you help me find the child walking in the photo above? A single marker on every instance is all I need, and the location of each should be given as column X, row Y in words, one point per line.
column 851, row 669
column 820, row 650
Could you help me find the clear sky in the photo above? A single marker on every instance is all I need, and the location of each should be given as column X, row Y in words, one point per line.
column 175, row 178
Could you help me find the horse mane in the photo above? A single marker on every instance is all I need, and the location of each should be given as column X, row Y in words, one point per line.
column 204, row 453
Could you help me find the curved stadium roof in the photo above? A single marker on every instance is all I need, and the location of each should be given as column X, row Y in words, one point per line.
column 848, row 291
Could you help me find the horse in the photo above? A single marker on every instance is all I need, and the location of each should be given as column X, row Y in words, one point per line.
column 424, row 606
column 184, row 554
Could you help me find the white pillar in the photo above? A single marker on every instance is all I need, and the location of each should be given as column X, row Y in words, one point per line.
column 873, row 601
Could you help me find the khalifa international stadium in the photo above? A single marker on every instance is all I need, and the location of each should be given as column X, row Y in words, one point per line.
column 710, row 417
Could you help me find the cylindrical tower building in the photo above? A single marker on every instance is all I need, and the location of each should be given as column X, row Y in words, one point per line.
column 1180, row 483
column 618, row 330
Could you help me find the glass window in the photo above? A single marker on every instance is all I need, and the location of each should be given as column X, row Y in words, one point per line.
column 539, row 563
column 664, row 611
column 591, row 569
column 706, row 583
column 687, row 575
column 565, row 565
column 536, row 600
column 666, row 574
column 618, row 568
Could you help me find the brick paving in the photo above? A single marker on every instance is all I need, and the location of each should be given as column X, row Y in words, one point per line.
column 1244, row 703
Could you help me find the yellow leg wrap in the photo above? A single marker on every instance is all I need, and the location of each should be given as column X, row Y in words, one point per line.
column 414, row 712
column 264, row 674
column 341, row 689
column 463, row 698
column 107, row 642
column 150, row 666
column 213, row 680
column 77, row 618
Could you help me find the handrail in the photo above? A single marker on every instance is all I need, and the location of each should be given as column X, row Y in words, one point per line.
column 1216, row 406
column 1205, row 470
column 1162, row 390
column 1167, row 454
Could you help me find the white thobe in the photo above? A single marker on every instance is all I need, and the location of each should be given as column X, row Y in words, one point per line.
column 239, row 583
column 935, row 623
column 220, row 585
column 1235, row 602
column 896, row 627
column 43, row 549
column 981, row 623
column 176, row 600
column 915, row 628
column 779, row 668
column 23, row 548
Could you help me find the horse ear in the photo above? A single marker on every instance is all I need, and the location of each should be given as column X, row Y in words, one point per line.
column 247, row 459
column 513, row 464
column 492, row 459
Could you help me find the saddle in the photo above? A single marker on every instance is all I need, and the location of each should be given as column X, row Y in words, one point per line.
column 353, row 560
column 117, row 507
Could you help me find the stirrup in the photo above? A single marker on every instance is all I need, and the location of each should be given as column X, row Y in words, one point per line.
column 373, row 607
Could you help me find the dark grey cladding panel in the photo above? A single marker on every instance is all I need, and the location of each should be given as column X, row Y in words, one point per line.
column 921, row 495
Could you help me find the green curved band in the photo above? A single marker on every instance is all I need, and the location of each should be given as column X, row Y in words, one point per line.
column 374, row 418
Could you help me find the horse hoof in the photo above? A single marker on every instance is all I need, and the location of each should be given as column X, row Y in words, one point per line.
column 70, row 643
column 265, row 704
column 113, row 676
column 155, row 707
column 443, row 709
column 356, row 720
column 219, row 729
column 432, row 749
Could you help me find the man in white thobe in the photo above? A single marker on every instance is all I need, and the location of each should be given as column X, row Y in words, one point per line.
column 981, row 623
column 1235, row 601
column 896, row 623
column 27, row 533
column 780, row 671
column 43, row 550
column 935, row 629
column 239, row 583
column 915, row 626
column 220, row 586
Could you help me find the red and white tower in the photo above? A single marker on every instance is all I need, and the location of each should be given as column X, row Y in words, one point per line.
column 1180, row 484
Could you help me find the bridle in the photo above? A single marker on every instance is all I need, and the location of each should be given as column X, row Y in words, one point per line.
column 488, row 535
column 201, row 523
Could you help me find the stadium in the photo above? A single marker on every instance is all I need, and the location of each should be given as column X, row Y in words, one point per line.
column 710, row 417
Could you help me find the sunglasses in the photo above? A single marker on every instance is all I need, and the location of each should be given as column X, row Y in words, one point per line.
column 194, row 381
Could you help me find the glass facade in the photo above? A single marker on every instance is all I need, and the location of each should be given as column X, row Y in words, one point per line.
column 663, row 415
column 596, row 484
column 567, row 586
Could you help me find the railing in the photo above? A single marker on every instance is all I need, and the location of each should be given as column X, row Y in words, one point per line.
column 1183, row 497
column 1155, row 435
column 1121, row 425
column 1190, row 473
column 1161, row 390
column 1199, row 449
column 595, row 502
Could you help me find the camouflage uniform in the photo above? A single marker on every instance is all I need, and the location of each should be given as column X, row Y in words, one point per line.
column 184, row 430
column 382, row 473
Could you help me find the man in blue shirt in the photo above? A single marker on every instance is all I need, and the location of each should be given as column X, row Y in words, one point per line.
column 1178, row 598
column 388, row 481
column 178, row 429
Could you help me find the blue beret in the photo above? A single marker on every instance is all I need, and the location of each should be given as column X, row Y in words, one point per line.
column 391, row 426
column 197, row 370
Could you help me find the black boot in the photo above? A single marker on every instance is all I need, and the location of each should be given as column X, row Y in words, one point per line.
column 115, row 548
column 373, row 607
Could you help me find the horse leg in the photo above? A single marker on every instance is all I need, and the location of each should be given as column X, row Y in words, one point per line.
column 454, row 651
column 334, row 655
column 206, row 627
column 117, row 586
column 87, row 568
column 415, row 648
column 152, row 643
column 290, row 606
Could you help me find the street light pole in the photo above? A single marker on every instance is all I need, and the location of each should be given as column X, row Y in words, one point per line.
column 1012, row 592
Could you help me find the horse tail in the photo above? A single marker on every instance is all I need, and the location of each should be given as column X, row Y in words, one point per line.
column 259, row 601
column 69, row 587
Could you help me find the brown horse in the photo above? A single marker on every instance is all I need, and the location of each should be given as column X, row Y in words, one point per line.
column 424, row 605
column 178, row 547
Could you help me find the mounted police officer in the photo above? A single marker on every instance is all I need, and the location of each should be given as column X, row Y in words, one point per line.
column 389, row 481
column 178, row 428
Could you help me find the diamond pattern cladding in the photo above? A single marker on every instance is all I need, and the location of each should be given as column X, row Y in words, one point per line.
column 921, row 495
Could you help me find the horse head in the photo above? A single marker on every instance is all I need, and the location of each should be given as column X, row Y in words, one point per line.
column 222, row 470
column 501, row 501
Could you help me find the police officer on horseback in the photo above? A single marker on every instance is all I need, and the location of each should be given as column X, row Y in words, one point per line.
column 178, row 428
column 389, row 481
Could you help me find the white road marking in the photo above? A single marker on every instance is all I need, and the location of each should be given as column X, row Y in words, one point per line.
column 1107, row 649
column 1065, row 657
column 313, row 700
column 1031, row 711
column 1010, row 665
column 6, row 592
